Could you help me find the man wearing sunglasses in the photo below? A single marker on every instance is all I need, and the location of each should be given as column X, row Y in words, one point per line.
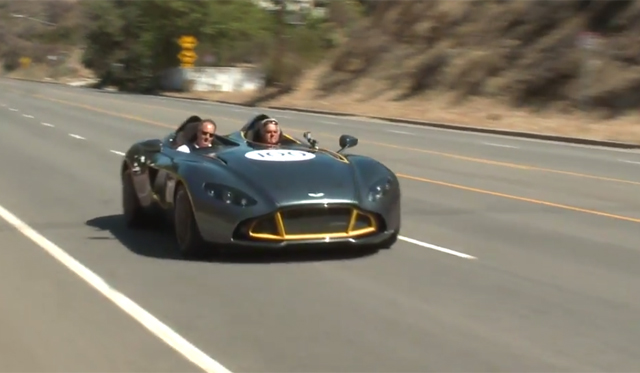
column 204, row 137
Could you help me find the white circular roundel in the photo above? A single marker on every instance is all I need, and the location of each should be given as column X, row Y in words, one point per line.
column 279, row 155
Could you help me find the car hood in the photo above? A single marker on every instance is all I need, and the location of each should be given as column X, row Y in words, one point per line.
column 293, row 176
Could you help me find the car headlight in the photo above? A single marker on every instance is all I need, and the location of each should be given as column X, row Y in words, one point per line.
column 229, row 195
column 380, row 189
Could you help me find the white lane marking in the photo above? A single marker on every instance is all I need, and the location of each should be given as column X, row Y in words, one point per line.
column 47, row 124
column 500, row 145
column 116, row 152
column 27, row 116
column 155, row 326
column 329, row 122
column 628, row 161
column 400, row 132
column 12, row 109
column 77, row 136
column 437, row 248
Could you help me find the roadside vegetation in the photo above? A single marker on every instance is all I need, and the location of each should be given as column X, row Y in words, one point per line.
column 521, row 53
column 41, row 42
column 518, row 53
column 128, row 44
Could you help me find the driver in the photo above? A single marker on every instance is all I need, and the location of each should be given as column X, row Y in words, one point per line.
column 270, row 132
column 206, row 131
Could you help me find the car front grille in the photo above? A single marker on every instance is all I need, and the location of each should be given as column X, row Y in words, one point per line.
column 313, row 222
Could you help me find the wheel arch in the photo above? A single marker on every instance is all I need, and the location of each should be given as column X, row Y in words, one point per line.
column 180, row 184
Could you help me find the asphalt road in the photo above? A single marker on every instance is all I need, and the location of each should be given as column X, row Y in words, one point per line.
column 515, row 254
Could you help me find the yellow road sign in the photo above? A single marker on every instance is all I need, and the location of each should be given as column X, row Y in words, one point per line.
column 187, row 57
column 187, row 42
column 25, row 62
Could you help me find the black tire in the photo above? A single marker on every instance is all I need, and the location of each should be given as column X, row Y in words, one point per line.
column 133, row 212
column 189, row 240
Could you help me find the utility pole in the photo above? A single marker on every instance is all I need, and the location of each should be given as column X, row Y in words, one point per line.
column 280, row 49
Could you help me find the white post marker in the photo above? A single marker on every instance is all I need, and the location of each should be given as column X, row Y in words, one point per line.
column 589, row 42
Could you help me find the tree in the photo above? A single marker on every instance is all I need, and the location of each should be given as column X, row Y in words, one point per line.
column 142, row 35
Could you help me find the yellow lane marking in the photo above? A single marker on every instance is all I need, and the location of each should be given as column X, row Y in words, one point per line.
column 431, row 152
column 415, row 178
column 507, row 164
column 517, row 198
column 154, row 107
column 91, row 108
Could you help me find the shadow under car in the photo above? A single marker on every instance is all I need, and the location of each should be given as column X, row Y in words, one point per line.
column 160, row 243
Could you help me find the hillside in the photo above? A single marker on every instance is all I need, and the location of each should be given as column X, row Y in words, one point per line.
column 488, row 62
column 506, row 64
column 49, row 38
column 519, row 52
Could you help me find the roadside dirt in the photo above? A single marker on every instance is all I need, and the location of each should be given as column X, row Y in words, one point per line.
column 485, row 63
column 431, row 107
column 442, row 107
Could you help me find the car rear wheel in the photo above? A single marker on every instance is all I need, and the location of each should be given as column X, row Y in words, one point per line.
column 132, row 210
column 188, row 237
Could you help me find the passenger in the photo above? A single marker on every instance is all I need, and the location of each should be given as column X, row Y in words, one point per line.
column 270, row 132
column 206, row 131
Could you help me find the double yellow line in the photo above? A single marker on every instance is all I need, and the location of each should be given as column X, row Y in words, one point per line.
column 408, row 177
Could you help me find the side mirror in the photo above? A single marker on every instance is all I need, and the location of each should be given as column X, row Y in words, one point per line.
column 347, row 141
column 313, row 142
column 152, row 146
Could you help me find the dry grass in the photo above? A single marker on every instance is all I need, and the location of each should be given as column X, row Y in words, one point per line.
column 520, row 52
column 500, row 64
column 21, row 37
column 481, row 112
column 70, row 69
column 444, row 107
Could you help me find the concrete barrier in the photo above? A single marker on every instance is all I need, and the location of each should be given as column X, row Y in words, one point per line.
column 208, row 79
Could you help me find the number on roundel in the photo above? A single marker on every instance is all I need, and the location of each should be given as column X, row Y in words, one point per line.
column 279, row 155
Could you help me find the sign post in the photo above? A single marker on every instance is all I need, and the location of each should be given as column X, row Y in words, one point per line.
column 187, row 55
column 589, row 43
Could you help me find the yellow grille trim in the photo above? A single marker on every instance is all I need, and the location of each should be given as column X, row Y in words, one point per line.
column 350, row 233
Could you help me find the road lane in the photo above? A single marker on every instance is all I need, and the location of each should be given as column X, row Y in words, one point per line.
column 596, row 194
column 104, row 128
column 154, row 283
column 593, row 160
column 550, row 291
column 50, row 320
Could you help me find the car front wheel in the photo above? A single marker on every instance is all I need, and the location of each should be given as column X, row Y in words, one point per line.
column 188, row 237
column 133, row 212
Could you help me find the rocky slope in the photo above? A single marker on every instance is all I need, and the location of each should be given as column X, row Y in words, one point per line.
column 521, row 53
